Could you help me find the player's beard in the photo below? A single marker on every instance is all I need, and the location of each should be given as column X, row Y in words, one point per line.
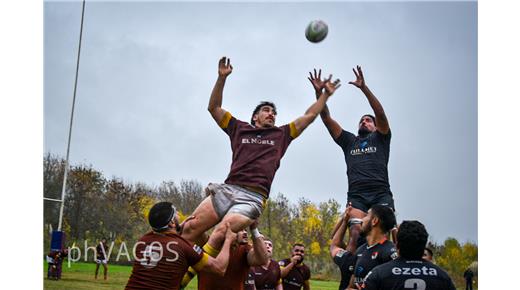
column 362, row 132
column 365, row 230
column 300, row 260
column 178, row 227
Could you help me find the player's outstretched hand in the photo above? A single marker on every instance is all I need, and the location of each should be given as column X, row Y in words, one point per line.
column 316, row 82
column 331, row 87
column 224, row 67
column 360, row 79
column 254, row 225
column 229, row 233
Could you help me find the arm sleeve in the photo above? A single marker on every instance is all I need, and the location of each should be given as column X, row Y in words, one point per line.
column 196, row 257
column 340, row 258
column 371, row 281
column 345, row 139
column 385, row 138
column 229, row 124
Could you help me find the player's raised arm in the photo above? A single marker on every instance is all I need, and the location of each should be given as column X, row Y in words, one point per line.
column 338, row 234
column 215, row 101
column 312, row 112
column 258, row 255
column 381, row 121
column 219, row 264
column 332, row 126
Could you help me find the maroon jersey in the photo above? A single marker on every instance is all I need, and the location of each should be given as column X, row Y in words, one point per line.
column 249, row 284
column 296, row 277
column 256, row 152
column 235, row 276
column 161, row 260
column 267, row 279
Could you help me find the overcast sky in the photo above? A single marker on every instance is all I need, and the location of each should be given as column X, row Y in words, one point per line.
column 147, row 70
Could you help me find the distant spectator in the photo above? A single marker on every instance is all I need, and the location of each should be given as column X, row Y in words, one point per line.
column 102, row 258
column 468, row 275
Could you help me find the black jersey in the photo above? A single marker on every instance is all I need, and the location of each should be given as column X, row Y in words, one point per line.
column 405, row 274
column 367, row 161
column 368, row 257
column 345, row 261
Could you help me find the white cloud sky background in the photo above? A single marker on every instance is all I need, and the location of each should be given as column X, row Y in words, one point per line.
column 147, row 70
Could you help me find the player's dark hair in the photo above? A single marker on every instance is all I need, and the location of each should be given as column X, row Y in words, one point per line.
column 411, row 240
column 160, row 216
column 257, row 109
column 370, row 116
column 298, row 245
column 386, row 217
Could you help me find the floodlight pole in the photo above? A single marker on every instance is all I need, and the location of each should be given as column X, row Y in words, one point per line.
column 70, row 127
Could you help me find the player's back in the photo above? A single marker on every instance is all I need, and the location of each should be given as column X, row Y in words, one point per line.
column 407, row 274
column 161, row 261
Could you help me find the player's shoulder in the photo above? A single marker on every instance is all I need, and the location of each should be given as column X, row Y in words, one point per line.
column 361, row 249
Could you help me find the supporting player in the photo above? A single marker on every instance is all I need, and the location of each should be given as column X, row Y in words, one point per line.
column 242, row 257
column 378, row 249
column 257, row 150
column 295, row 274
column 428, row 255
column 162, row 255
column 366, row 154
column 268, row 276
column 343, row 255
column 409, row 271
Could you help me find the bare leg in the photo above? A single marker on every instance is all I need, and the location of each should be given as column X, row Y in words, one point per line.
column 105, row 271
column 205, row 217
column 237, row 222
column 97, row 269
column 354, row 230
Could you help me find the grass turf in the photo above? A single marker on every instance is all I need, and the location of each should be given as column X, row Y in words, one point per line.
column 80, row 276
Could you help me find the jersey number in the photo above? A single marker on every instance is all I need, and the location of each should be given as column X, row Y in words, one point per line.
column 417, row 284
column 151, row 256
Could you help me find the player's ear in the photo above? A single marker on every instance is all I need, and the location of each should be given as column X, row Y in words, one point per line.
column 374, row 221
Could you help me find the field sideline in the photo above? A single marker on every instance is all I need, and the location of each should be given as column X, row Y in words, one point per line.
column 80, row 276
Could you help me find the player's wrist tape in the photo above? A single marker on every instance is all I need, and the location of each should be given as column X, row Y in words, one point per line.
column 354, row 221
column 256, row 234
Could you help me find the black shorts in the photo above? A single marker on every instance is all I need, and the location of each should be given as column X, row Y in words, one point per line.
column 365, row 200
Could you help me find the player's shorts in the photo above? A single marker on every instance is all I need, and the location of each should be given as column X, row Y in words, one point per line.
column 101, row 261
column 365, row 200
column 228, row 198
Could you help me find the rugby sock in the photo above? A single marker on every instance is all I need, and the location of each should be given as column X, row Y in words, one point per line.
column 210, row 250
column 187, row 277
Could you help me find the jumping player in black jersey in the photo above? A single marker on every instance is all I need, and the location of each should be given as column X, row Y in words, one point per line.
column 378, row 249
column 366, row 154
column 410, row 270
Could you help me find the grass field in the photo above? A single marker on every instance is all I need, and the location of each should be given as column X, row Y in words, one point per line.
column 80, row 276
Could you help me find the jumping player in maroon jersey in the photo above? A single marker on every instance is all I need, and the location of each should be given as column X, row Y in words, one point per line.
column 257, row 149
column 162, row 256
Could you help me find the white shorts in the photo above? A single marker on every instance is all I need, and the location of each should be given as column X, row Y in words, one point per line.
column 236, row 199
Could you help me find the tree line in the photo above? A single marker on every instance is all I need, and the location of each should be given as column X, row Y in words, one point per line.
column 99, row 207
